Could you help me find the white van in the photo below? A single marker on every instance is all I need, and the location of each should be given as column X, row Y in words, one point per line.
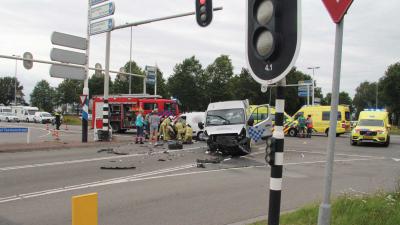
column 5, row 109
column 229, row 127
column 193, row 119
column 43, row 117
column 25, row 113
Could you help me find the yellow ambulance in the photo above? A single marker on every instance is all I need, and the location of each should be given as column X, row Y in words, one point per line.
column 321, row 116
column 372, row 127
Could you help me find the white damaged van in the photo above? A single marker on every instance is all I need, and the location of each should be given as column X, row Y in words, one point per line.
column 229, row 127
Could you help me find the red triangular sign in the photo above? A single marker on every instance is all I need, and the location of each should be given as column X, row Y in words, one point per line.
column 337, row 8
column 83, row 98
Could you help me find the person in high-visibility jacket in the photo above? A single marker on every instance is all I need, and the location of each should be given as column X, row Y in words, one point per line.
column 164, row 129
column 188, row 135
column 180, row 130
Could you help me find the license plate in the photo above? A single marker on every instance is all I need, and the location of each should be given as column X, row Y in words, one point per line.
column 368, row 137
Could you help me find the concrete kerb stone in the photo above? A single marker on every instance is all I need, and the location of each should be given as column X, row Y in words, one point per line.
column 47, row 146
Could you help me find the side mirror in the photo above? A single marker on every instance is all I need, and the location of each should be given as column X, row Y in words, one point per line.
column 250, row 122
column 201, row 125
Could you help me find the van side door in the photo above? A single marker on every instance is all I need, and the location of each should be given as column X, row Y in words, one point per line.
column 261, row 127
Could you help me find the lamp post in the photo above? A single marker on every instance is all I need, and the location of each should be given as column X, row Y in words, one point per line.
column 313, row 82
column 15, row 81
column 130, row 65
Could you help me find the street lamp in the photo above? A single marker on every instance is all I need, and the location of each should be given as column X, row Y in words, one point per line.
column 313, row 82
column 15, row 82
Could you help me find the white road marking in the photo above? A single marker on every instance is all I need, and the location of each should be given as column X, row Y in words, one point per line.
column 396, row 160
column 87, row 160
column 92, row 184
column 148, row 176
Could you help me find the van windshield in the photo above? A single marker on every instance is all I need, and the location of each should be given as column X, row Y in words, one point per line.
column 371, row 123
column 225, row 117
column 32, row 112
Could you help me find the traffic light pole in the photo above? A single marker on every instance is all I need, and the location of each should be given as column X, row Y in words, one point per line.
column 85, row 107
column 325, row 207
column 106, row 109
column 275, row 182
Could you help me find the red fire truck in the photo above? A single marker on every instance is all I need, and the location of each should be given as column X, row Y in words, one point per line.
column 123, row 109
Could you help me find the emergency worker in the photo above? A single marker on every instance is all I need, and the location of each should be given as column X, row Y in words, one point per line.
column 179, row 129
column 309, row 124
column 164, row 129
column 188, row 135
column 302, row 126
column 58, row 120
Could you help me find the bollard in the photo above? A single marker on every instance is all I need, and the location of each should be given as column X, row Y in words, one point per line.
column 85, row 209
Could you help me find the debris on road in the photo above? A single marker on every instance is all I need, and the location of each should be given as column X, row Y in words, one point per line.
column 161, row 160
column 118, row 165
column 200, row 165
column 112, row 151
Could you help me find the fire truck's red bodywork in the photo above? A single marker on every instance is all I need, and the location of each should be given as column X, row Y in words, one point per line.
column 123, row 109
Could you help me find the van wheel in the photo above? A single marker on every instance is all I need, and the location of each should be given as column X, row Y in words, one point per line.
column 27, row 120
column 353, row 142
column 292, row 132
column 115, row 127
column 200, row 136
column 327, row 132
column 387, row 142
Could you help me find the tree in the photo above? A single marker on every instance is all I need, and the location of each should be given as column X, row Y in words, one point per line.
column 389, row 89
column 344, row 99
column 182, row 84
column 68, row 92
column 365, row 97
column 96, row 85
column 43, row 96
column 7, row 91
column 218, row 74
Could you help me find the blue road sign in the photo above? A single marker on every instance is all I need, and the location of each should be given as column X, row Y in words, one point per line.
column 95, row 2
column 101, row 26
column 102, row 11
column 13, row 130
column 151, row 74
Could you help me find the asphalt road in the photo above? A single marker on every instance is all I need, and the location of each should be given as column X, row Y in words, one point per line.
column 167, row 188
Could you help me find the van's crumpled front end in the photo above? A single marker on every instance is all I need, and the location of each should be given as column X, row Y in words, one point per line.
column 229, row 143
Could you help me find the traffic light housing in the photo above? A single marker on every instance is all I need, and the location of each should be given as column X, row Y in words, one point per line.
column 270, row 151
column 273, row 38
column 204, row 12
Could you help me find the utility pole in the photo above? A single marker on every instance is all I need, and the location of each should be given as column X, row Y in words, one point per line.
column 106, row 119
column 85, row 107
column 313, row 82
column 130, row 65
column 15, row 81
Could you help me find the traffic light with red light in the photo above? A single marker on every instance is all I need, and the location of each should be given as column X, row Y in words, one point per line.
column 204, row 12
column 273, row 38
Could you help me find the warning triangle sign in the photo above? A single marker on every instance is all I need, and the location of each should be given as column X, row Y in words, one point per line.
column 83, row 98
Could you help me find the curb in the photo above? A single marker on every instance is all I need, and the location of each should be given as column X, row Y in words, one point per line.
column 13, row 148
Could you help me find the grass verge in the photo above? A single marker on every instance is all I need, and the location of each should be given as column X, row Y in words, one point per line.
column 395, row 130
column 72, row 120
column 376, row 209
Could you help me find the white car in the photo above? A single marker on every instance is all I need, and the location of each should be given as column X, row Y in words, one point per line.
column 193, row 119
column 43, row 117
column 9, row 117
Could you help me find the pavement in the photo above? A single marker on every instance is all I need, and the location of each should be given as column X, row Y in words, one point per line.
column 42, row 137
column 168, row 188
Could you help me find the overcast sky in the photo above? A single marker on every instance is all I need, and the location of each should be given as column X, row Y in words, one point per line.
column 371, row 37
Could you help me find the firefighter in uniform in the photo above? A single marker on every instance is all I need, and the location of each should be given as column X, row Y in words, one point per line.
column 180, row 130
column 164, row 129
column 188, row 135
